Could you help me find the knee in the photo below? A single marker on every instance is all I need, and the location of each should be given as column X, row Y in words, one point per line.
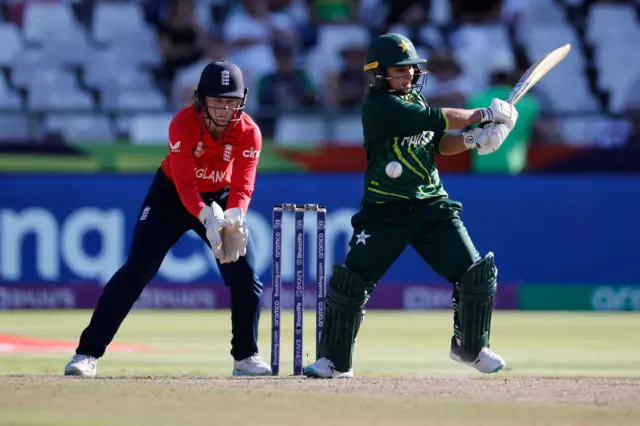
column 140, row 268
column 241, row 274
column 481, row 277
column 347, row 291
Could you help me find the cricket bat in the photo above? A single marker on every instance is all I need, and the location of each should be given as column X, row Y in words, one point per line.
column 536, row 71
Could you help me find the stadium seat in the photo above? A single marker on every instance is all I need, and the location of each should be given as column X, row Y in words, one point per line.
column 611, row 21
column 39, row 78
column 480, row 48
column 53, row 98
column 293, row 129
column 138, row 100
column 594, row 129
column 544, row 39
column 617, row 68
column 44, row 19
column 150, row 129
column 325, row 56
column 348, row 130
column 624, row 91
column 9, row 100
column 440, row 12
column 567, row 92
column 12, row 44
column 15, row 127
column 110, row 20
column 110, row 75
column 137, row 48
column 80, row 127
column 69, row 47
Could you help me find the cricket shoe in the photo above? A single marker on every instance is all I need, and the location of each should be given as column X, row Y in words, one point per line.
column 324, row 369
column 487, row 362
column 252, row 366
column 82, row 366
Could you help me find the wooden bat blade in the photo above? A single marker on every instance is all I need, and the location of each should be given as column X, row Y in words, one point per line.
column 536, row 71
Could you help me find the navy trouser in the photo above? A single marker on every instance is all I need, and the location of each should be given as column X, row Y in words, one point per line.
column 161, row 222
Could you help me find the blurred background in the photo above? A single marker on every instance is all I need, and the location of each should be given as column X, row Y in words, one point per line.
column 88, row 87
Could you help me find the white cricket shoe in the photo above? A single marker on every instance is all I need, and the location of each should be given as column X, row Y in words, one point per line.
column 487, row 362
column 324, row 369
column 252, row 366
column 82, row 366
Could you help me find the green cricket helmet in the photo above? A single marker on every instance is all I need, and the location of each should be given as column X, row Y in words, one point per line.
column 393, row 50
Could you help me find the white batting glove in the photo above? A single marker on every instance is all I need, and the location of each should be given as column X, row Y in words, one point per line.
column 213, row 220
column 491, row 138
column 471, row 137
column 234, row 236
column 500, row 112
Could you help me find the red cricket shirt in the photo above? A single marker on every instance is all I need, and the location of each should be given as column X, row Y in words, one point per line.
column 197, row 163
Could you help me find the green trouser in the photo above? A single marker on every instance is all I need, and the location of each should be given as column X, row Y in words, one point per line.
column 381, row 233
column 432, row 228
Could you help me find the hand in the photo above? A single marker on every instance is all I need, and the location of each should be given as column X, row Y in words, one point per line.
column 500, row 112
column 234, row 236
column 491, row 138
column 213, row 220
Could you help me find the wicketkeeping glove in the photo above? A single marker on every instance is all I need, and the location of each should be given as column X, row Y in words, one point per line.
column 213, row 220
column 234, row 236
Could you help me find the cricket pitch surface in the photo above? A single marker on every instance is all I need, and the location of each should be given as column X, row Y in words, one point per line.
column 173, row 368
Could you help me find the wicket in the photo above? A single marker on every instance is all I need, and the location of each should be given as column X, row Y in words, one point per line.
column 298, row 302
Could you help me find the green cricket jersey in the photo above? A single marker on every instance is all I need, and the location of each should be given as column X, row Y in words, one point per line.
column 406, row 130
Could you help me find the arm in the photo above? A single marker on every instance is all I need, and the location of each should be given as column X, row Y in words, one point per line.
column 461, row 118
column 181, row 142
column 244, row 171
column 451, row 144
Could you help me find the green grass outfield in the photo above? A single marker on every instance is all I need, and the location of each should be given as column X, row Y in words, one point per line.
column 563, row 369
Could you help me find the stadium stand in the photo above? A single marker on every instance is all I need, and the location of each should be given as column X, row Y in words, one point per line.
column 102, row 70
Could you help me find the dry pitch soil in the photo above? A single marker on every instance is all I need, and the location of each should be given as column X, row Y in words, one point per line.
column 603, row 392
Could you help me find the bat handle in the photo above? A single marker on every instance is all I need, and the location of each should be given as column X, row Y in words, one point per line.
column 486, row 123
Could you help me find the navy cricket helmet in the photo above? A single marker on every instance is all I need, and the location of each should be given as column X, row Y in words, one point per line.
column 221, row 79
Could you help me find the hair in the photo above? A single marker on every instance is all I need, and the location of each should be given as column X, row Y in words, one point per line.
column 193, row 101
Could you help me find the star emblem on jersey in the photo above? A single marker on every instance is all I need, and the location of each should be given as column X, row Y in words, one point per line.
column 362, row 238
column 405, row 46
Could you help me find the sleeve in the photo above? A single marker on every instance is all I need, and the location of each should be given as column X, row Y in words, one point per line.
column 245, row 165
column 181, row 142
column 405, row 119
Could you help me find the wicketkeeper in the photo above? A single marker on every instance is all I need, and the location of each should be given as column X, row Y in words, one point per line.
column 405, row 204
column 204, row 184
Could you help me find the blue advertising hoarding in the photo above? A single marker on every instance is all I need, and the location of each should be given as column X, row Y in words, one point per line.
column 543, row 229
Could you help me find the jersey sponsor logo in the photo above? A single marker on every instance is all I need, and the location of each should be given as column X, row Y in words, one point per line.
column 224, row 78
column 214, row 176
column 251, row 153
column 226, row 156
column 199, row 152
column 417, row 141
column 174, row 147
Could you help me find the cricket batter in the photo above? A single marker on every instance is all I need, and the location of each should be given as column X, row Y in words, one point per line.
column 405, row 204
column 204, row 184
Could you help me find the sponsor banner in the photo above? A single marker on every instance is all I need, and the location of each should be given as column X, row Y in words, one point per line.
column 418, row 297
column 76, row 228
column 579, row 297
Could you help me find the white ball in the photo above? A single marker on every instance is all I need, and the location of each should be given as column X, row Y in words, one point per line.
column 393, row 169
